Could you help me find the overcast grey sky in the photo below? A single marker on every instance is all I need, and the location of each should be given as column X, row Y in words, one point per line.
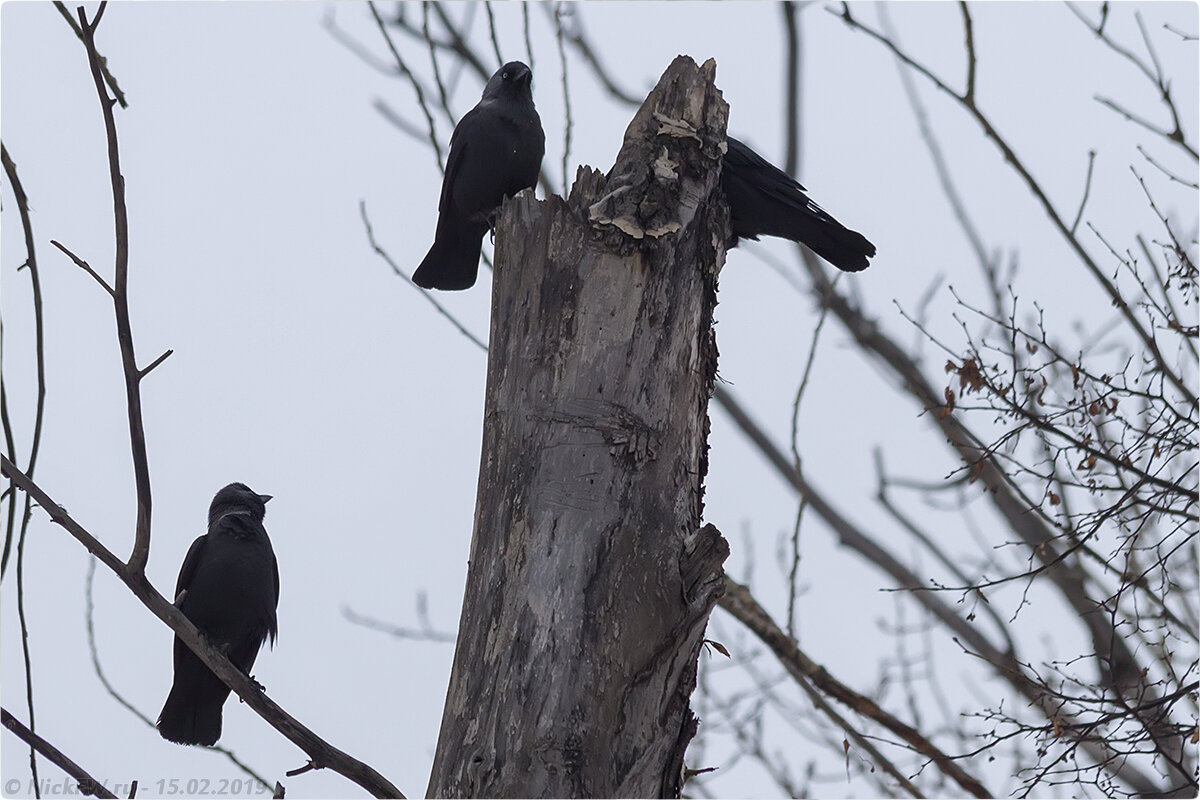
column 306, row 369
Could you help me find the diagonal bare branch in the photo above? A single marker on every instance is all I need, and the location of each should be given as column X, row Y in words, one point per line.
column 87, row 784
column 321, row 753
column 738, row 601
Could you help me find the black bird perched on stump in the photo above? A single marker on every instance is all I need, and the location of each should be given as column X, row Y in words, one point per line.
column 766, row 201
column 229, row 588
column 496, row 151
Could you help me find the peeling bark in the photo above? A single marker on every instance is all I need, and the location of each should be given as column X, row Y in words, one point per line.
column 591, row 577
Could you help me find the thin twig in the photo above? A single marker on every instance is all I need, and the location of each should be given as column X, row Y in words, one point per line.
column 392, row 116
column 1087, row 188
column 1154, row 75
column 85, row 266
column 850, row 536
column 1170, row 175
column 738, row 601
column 568, row 123
column 422, row 634
column 1141, row 121
column 403, row 67
column 329, row 23
column 791, row 91
column 491, row 17
column 579, row 40
column 936, row 152
column 872, row 752
column 884, row 500
column 1187, row 37
column 458, row 43
column 362, row 210
column 443, row 96
column 24, row 625
column 146, row 371
column 794, row 570
column 10, row 170
column 108, row 76
column 528, row 40
column 969, row 35
column 11, row 448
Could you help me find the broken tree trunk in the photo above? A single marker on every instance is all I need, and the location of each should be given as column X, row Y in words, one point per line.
column 591, row 576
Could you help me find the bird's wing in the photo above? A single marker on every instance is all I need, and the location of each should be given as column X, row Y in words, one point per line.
column 740, row 155
column 458, row 155
column 273, row 630
column 482, row 164
column 188, row 570
column 770, row 179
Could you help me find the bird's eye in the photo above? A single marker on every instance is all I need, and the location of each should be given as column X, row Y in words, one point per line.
column 504, row 75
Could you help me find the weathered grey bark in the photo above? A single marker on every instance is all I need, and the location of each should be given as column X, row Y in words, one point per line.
column 591, row 577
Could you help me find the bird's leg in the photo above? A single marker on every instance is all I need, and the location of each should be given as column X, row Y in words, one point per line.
column 493, row 217
column 257, row 685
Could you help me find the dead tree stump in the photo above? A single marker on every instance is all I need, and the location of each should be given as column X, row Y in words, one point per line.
column 591, row 576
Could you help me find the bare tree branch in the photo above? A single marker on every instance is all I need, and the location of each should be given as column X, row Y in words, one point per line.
column 108, row 76
column 422, row 634
column 362, row 210
column 491, row 17
column 87, row 784
column 969, row 32
column 321, row 753
column 583, row 46
column 525, row 29
column 11, row 448
column 791, row 92
column 1087, row 188
column 738, row 601
column 1035, row 187
column 90, row 622
column 403, row 67
column 1153, row 73
column 137, row 434
column 86, row 267
column 568, row 124
column 10, row 170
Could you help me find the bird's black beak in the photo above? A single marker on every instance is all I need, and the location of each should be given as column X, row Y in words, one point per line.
column 264, row 497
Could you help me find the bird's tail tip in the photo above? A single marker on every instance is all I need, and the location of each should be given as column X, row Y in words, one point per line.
column 189, row 721
column 847, row 250
column 452, row 264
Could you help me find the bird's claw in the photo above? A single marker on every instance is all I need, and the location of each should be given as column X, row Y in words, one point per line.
column 257, row 685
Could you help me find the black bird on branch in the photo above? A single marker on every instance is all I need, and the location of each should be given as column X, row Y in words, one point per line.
column 496, row 151
column 229, row 588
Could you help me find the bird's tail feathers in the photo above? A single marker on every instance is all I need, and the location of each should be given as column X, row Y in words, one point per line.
column 452, row 262
column 846, row 249
column 191, row 716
